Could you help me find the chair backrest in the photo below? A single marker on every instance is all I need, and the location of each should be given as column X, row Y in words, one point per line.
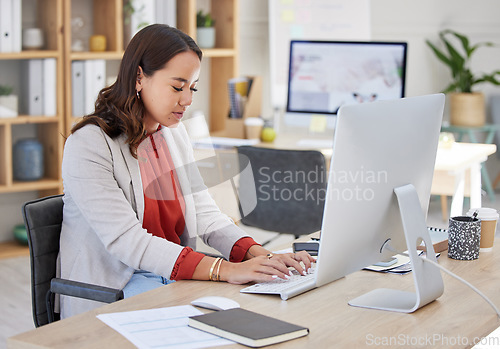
column 42, row 218
column 290, row 186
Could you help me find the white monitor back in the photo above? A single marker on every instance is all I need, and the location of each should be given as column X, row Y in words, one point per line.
column 377, row 147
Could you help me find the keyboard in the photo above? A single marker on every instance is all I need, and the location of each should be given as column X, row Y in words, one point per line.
column 294, row 286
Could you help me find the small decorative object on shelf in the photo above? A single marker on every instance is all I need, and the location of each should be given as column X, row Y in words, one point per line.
column 467, row 108
column 33, row 39
column 97, row 43
column 28, row 160
column 8, row 102
column 205, row 30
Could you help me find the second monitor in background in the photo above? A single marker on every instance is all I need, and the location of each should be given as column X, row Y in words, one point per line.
column 324, row 75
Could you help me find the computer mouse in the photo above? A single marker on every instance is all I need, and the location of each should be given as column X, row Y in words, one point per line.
column 215, row 303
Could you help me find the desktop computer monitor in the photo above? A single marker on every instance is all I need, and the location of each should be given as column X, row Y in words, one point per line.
column 378, row 192
column 324, row 75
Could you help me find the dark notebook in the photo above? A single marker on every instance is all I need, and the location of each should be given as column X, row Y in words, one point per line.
column 246, row 327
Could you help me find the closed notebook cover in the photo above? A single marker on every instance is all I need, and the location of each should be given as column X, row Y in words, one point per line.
column 246, row 327
column 439, row 238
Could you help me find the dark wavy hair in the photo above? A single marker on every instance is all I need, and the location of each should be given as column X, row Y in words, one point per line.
column 118, row 110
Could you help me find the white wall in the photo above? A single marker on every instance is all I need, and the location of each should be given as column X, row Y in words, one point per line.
column 406, row 20
column 397, row 20
column 254, row 46
column 394, row 20
column 415, row 21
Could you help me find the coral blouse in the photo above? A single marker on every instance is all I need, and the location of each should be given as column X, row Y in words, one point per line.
column 164, row 205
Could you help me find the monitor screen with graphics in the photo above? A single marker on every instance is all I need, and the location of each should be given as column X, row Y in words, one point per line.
column 324, row 75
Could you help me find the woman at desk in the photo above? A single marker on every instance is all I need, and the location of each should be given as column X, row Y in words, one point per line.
column 134, row 201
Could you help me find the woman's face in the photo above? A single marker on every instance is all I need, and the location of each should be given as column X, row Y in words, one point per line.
column 169, row 92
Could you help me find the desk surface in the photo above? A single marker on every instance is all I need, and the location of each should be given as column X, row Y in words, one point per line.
column 455, row 320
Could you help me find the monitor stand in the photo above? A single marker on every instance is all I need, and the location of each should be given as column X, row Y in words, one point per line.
column 427, row 278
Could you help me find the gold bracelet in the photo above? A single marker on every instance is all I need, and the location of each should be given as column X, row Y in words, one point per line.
column 216, row 277
column 218, row 269
column 212, row 268
column 214, row 274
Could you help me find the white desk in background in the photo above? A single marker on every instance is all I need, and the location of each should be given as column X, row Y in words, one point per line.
column 457, row 173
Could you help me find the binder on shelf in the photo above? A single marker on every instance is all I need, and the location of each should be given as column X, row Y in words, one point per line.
column 98, row 78
column 16, row 26
column 251, row 107
column 77, row 88
column 94, row 81
column 49, row 87
column 32, row 87
column 88, row 72
column 6, row 44
column 238, row 94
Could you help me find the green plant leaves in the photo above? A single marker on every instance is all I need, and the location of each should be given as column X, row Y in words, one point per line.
column 6, row 90
column 204, row 19
column 457, row 59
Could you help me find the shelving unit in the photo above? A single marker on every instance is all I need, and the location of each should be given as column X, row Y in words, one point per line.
column 48, row 129
column 107, row 20
column 54, row 18
column 223, row 58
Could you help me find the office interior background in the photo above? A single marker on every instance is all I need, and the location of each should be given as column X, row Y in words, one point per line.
column 390, row 20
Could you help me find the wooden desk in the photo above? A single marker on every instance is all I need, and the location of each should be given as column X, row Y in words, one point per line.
column 455, row 320
column 454, row 167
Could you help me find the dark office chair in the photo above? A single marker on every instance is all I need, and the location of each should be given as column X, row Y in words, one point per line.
column 43, row 218
column 285, row 190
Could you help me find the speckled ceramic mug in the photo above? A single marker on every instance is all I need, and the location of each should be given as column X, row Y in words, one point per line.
column 464, row 234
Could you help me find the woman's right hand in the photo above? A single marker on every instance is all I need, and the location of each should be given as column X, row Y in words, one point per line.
column 258, row 269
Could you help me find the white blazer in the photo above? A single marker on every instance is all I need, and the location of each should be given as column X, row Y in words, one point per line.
column 102, row 239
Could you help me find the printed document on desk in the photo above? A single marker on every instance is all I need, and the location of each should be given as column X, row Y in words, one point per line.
column 161, row 328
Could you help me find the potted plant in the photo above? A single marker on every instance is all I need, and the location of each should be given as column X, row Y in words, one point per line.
column 467, row 107
column 8, row 102
column 205, row 30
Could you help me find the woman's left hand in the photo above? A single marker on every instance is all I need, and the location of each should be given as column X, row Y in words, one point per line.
column 293, row 260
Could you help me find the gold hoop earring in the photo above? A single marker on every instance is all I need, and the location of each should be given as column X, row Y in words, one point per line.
column 137, row 93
